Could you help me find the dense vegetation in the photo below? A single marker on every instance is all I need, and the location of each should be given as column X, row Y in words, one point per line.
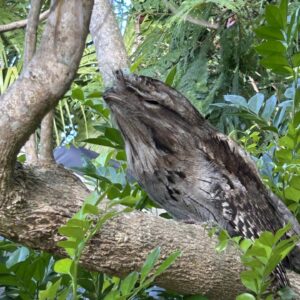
column 240, row 70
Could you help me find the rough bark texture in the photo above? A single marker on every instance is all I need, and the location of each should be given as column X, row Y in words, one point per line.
column 189, row 168
column 52, row 195
column 108, row 41
column 45, row 80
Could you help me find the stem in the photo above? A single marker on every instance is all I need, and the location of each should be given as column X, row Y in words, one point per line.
column 74, row 277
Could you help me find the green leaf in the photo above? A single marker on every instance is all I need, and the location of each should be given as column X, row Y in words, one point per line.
column 274, row 61
column 237, row 100
column 245, row 244
column 268, row 32
column 121, row 155
column 149, row 263
column 170, row 77
column 269, row 108
column 8, row 280
column 128, row 283
column 296, row 60
column 167, row 262
column 283, row 8
column 267, row 238
column 281, row 232
column 271, row 48
column 103, row 141
column 71, row 231
column 273, row 17
column 90, row 209
column 292, row 194
column 255, row 102
column 295, row 182
column 21, row 254
column 77, row 93
column 249, row 279
column 51, row 291
column 287, row 142
column 245, row 296
column 67, row 244
column 114, row 135
column 113, row 295
column 257, row 251
column 297, row 102
column 293, row 26
column 63, row 266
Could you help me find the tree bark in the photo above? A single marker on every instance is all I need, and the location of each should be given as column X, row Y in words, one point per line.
column 107, row 39
column 47, row 198
column 29, row 50
column 46, row 151
column 47, row 77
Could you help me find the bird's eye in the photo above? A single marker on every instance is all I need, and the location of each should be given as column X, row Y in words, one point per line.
column 151, row 103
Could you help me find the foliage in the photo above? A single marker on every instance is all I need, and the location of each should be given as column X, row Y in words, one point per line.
column 79, row 230
column 276, row 131
column 260, row 257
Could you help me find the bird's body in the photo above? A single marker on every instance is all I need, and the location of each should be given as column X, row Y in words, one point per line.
column 189, row 168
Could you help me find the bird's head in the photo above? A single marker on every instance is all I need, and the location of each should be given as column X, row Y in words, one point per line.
column 148, row 111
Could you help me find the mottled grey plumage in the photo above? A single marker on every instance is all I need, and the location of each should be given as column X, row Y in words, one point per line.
column 189, row 168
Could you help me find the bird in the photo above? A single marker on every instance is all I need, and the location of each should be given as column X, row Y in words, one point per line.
column 188, row 167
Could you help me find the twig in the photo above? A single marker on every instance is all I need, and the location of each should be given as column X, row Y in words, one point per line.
column 30, row 46
column 22, row 23
column 191, row 19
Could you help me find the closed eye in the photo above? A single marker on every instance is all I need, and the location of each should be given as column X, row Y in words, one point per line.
column 151, row 103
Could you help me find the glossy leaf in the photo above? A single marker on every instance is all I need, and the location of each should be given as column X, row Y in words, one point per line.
column 128, row 283
column 268, row 32
column 149, row 263
column 245, row 296
column 255, row 102
column 273, row 17
column 170, row 77
column 235, row 99
column 70, row 231
column 269, row 108
column 63, row 266
column 19, row 255
column 271, row 47
column 167, row 263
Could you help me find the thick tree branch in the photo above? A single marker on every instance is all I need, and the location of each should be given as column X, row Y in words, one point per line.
column 22, row 23
column 44, row 199
column 104, row 25
column 29, row 50
column 47, row 77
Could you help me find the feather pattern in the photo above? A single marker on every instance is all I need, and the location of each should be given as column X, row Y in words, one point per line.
column 189, row 168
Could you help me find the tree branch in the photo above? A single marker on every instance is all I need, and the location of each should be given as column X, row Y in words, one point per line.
column 44, row 81
column 53, row 195
column 29, row 50
column 22, row 23
column 104, row 25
